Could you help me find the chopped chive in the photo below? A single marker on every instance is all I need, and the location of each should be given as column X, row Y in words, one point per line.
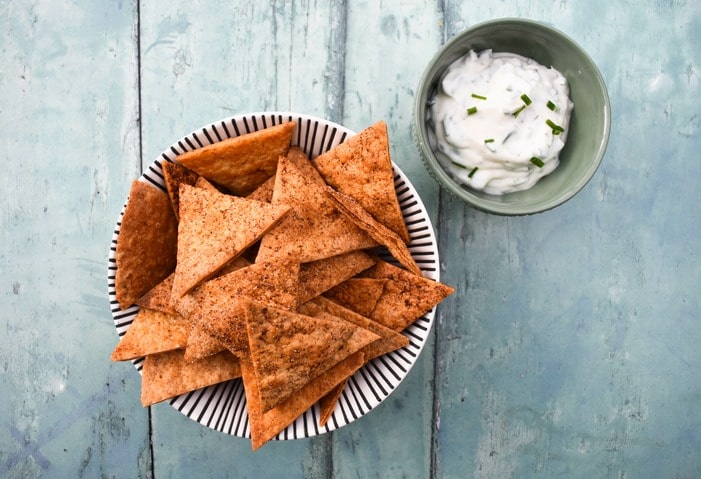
column 537, row 162
column 489, row 140
column 551, row 105
column 472, row 173
column 526, row 99
column 459, row 165
column 479, row 97
column 472, row 110
column 557, row 129
column 515, row 114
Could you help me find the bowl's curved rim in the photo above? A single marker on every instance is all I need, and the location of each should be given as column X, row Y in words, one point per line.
column 445, row 180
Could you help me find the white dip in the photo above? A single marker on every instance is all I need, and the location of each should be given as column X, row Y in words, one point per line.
column 500, row 121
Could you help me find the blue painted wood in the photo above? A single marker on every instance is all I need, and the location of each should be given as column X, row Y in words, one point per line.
column 570, row 346
column 69, row 135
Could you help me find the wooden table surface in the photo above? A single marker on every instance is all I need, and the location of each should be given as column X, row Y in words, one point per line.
column 570, row 348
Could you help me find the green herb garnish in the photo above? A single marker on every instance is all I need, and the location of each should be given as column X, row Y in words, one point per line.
column 515, row 114
column 489, row 140
column 557, row 129
column 551, row 105
column 472, row 173
column 526, row 99
column 537, row 162
column 459, row 165
column 479, row 97
column 472, row 110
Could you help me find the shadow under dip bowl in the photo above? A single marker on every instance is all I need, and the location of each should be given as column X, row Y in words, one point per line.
column 589, row 126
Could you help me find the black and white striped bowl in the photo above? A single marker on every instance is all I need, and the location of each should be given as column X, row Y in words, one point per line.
column 223, row 406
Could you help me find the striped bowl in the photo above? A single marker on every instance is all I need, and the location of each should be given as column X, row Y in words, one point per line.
column 223, row 406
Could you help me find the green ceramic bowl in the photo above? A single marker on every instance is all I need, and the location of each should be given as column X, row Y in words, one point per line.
column 589, row 125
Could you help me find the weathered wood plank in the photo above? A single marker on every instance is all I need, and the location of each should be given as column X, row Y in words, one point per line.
column 69, row 136
column 571, row 351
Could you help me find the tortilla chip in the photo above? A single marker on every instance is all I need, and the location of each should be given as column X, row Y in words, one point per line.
column 213, row 229
column 380, row 233
column 361, row 168
column 321, row 275
column 203, row 183
column 264, row 192
column 221, row 304
column 315, row 228
column 300, row 159
column 152, row 332
column 201, row 344
column 406, row 297
column 173, row 175
column 358, row 294
column 158, row 298
column 185, row 305
column 167, row 375
column 288, row 349
column 241, row 164
column 327, row 404
column 266, row 425
column 147, row 243
column 388, row 341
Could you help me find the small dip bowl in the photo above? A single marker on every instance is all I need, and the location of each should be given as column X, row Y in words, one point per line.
column 589, row 126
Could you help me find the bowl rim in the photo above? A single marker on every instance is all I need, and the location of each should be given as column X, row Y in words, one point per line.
column 463, row 193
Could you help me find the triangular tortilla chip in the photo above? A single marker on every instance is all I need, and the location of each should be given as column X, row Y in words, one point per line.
column 167, row 375
column 300, row 159
column 266, row 425
column 389, row 339
column 379, row 232
column 264, row 192
column 158, row 298
column 321, row 275
column 173, row 175
column 185, row 305
column 315, row 228
column 147, row 243
column 221, row 304
column 361, row 168
column 203, row 183
column 152, row 332
column 327, row 404
column 213, row 229
column 288, row 349
column 358, row 294
column 200, row 343
column 241, row 164
column 406, row 297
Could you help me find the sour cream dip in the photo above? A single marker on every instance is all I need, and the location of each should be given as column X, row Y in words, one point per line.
column 499, row 121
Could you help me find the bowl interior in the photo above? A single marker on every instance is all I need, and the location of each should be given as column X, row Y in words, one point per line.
column 589, row 125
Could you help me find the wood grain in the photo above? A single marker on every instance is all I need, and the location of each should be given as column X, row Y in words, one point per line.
column 69, row 135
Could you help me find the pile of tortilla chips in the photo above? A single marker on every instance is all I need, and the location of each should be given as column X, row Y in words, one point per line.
column 260, row 263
